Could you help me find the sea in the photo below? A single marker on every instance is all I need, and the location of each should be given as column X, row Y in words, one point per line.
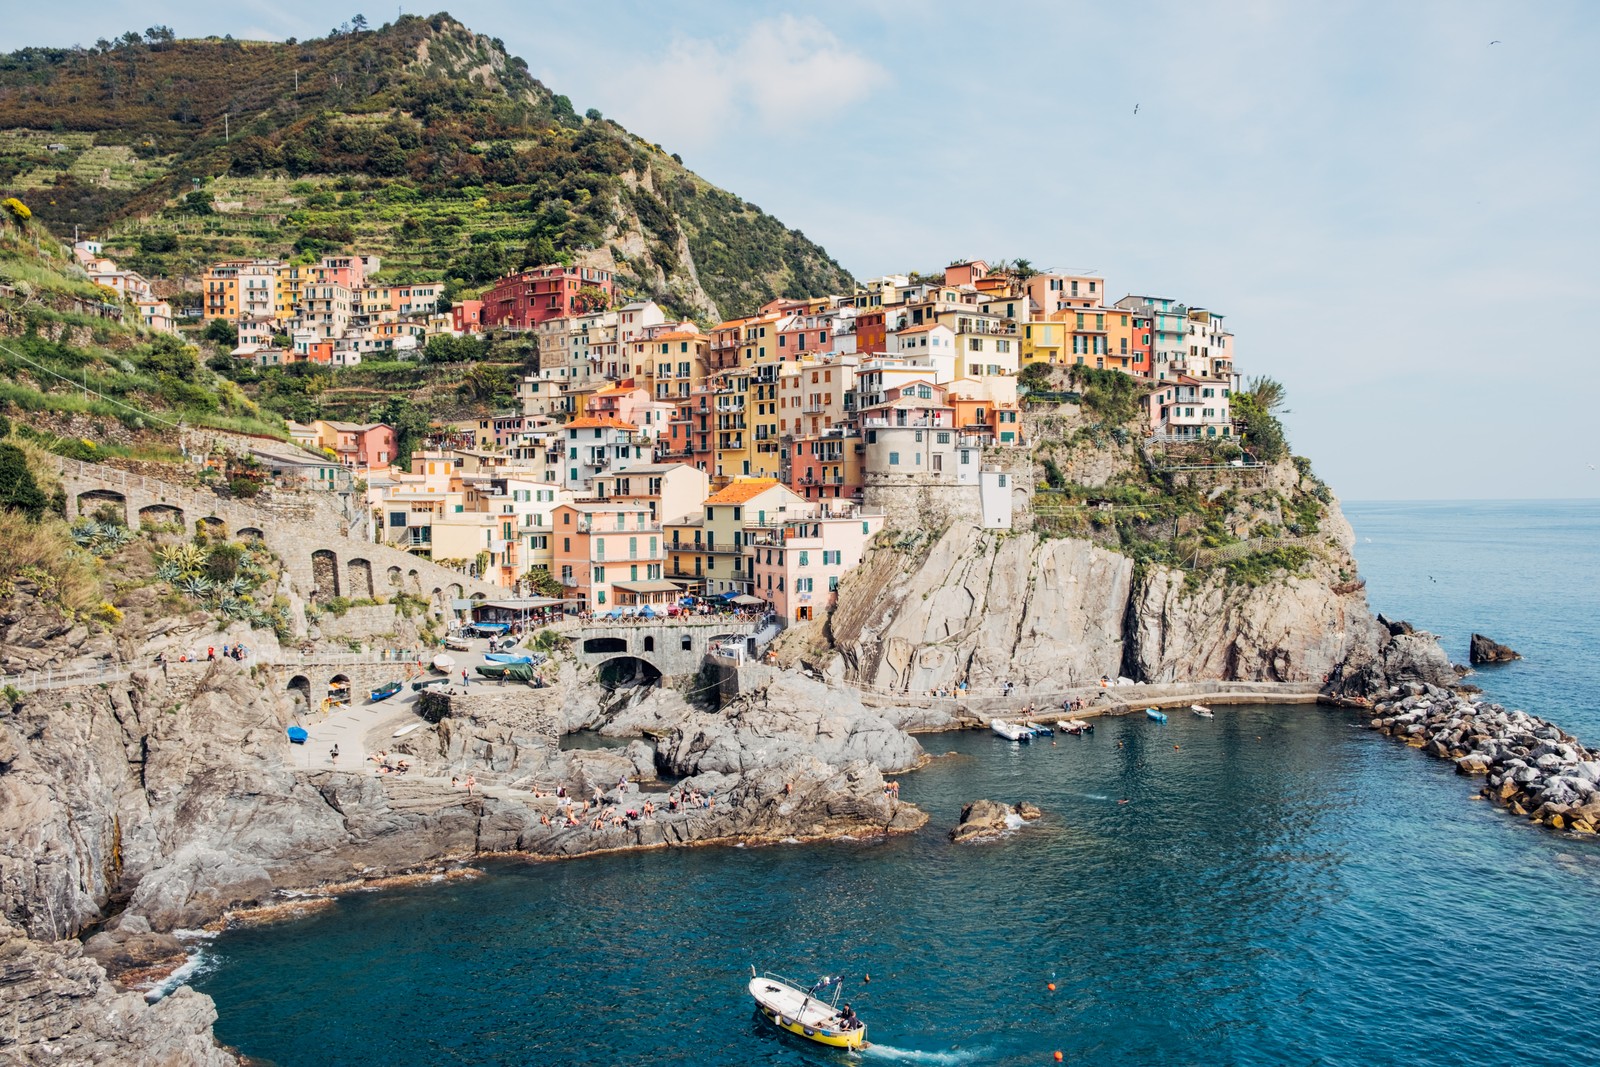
column 1273, row 886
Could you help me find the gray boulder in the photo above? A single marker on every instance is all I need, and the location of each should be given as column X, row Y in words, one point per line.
column 1487, row 650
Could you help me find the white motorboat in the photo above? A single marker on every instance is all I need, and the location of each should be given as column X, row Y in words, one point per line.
column 1010, row 731
column 1202, row 711
column 808, row 1012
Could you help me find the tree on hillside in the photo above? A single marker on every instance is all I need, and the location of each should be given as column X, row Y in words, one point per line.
column 19, row 491
column 222, row 332
column 169, row 355
column 1259, row 429
column 446, row 348
column 1036, row 376
column 410, row 424
column 1268, row 393
column 358, row 23
column 483, row 383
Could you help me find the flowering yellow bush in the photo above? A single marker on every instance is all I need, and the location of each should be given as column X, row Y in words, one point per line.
column 18, row 209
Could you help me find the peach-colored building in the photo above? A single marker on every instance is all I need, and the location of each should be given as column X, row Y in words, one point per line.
column 609, row 554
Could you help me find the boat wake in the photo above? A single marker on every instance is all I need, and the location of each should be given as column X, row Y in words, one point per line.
column 912, row 1055
column 1092, row 796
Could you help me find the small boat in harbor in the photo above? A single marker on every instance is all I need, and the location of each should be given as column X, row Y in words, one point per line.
column 444, row 663
column 1155, row 716
column 1202, row 711
column 1075, row 727
column 808, row 1012
column 1010, row 730
column 385, row 692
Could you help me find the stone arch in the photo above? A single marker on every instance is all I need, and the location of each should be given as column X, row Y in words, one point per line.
column 160, row 515
column 395, row 577
column 300, row 693
column 688, row 643
column 414, row 580
column 598, row 646
column 95, row 499
column 325, row 573
column 251, row 533
column 1019, row 500
column 649, row 643
column 358, row 573
column 480, row 596
column 339, row 689
column 454, row 591
column 211, row 526
column 624, row 672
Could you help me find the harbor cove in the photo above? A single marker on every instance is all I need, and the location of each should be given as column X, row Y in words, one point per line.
column 474, row 591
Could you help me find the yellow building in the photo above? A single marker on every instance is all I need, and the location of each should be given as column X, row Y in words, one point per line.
column 245, row 289
column 677, row 362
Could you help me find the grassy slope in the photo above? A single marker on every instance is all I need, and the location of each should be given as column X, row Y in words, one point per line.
column 422, row 141
column 91, row 386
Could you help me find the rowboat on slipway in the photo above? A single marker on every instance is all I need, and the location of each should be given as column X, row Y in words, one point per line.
column 807, row 1011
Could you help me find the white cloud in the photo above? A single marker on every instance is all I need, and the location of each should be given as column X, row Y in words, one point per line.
column 782, row 70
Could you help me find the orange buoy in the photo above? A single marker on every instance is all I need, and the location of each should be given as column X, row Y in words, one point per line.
column 1175, row 748
column 1051, row 987
column 1058, row 1055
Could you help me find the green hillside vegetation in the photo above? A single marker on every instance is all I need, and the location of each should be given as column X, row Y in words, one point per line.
column 419, row 141
column 81, row 377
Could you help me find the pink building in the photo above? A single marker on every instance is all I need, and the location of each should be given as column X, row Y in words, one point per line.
column 797, row 563
column 466, row 316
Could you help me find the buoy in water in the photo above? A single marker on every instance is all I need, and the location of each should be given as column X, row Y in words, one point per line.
column 1058, row 1055
column 866, row 978
column 1175, row 748
column 1051, row 986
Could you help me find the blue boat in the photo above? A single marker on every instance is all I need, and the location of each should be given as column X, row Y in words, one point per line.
column 507, row 657
column 297, row 735
column 1156, row 716
column 385, row 692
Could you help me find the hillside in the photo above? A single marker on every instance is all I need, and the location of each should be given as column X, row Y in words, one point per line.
column 81, row 378
column 421, row 141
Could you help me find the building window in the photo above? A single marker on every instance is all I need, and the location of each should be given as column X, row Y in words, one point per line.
column 894, row 459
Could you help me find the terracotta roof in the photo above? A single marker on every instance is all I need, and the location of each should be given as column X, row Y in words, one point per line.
column 924, row 328
column 742, row 490
column 608, row 422
column 680, row 335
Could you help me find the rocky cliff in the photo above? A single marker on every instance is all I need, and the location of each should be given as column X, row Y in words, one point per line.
column 984, row 607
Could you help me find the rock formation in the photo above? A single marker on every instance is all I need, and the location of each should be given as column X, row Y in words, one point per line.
column 1487, row 650
column 985, row 820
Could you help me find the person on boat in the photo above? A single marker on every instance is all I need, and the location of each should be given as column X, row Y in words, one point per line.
column 848, row 1020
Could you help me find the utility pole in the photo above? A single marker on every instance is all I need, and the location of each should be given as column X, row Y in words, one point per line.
column 226, row 136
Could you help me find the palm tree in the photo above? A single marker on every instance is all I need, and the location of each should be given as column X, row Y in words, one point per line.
column 1268, row 393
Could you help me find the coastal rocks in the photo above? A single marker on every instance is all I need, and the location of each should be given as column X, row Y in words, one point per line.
column 985, row 820
column 59, row 1007
column 1488, row 650
column 791, row 716
column 1532, row 767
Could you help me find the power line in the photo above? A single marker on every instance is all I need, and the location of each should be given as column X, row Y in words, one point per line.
column 84, row 386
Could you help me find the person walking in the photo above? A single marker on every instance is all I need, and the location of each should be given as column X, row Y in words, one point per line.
column 464, row 681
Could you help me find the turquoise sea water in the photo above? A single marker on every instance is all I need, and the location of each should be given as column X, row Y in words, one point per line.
column 1279, row 888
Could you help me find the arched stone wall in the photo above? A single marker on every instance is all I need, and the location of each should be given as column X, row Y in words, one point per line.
column 325, row 573
column 359, row 583
column 251, row 533
column 95, row 499
column 161, row 515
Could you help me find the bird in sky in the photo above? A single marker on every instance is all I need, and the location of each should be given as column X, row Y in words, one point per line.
column 1494, row 42
column 1431, row 578
column 1135, row 109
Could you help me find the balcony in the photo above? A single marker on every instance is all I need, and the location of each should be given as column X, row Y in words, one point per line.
column 909, row 424
column 588, row 526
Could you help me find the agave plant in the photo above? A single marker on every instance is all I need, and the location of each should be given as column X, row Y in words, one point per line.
column 116, row 535
column 234, row 608
column 188, row 558
column 84, row 532
column 195, row 585
column 168, row 572
column 237, row 586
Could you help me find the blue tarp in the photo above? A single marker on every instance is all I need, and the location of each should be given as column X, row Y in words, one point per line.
column 298, row 735
column 647, row 610
column 490, row 627
column 729, row 595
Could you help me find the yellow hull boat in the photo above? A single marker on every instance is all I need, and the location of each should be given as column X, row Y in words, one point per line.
column 802, row 1013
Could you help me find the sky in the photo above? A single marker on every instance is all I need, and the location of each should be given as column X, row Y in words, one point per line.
column 1394, row 205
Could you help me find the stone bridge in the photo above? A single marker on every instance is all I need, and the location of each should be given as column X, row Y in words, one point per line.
column 309, row 681
column 671, row 648
column 319, row 556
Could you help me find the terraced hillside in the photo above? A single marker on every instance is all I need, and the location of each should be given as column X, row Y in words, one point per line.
column 421, row 141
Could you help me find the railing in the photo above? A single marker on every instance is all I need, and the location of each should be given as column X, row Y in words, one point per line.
column 910, row 424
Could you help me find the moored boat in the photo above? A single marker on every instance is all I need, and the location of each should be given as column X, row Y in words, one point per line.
column 385, row 692
column 1202, row 711
column 1075, row 727
column 808, row 1012
column 1155, row 716
column 1010, row 730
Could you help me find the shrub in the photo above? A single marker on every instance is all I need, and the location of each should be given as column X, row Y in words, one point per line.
column 17, row 209
column 19, row 490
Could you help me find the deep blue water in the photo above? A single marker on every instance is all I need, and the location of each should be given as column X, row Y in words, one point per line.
column 1279, row 888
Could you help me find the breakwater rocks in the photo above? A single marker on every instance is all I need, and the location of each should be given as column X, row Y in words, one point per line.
column 1534, row 768
column 1488, row 650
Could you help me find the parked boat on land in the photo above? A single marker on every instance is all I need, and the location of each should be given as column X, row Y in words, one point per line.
column 384, row 692
column 444, row 663
column 1155, row 716
column 808, row 1012
column 507, row 657
column 1202, row 711
column 423, row 683
column 1010, row 730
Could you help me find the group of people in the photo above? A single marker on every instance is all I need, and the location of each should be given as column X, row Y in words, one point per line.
column 233, row 652
column 891, row 790
column 399, row 765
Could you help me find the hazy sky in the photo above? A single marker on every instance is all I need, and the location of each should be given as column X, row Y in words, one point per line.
column 1398, row 217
